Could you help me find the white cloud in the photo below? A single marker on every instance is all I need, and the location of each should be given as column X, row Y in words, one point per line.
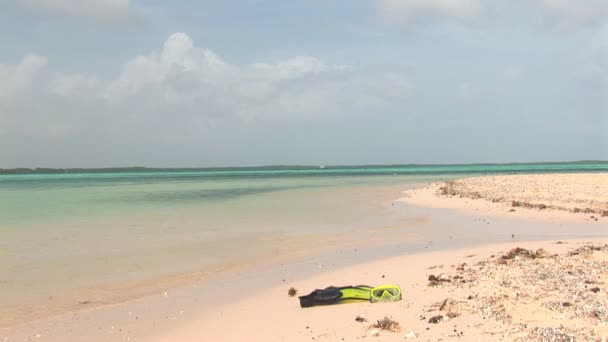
column 73, row 84
column 550, row 15
column 198, row 80
column 15, row 78
column 180, row 94
column 98, row 9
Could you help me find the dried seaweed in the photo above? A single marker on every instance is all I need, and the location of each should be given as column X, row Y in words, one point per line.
column 566, row 286
column 387, row 324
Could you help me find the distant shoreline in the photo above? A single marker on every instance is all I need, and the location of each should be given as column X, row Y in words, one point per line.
column 411, row 168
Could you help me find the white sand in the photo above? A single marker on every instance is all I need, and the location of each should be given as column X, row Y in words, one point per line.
column 273, row 316
column 567, row 197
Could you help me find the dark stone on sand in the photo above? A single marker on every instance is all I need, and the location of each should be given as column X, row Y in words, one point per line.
column 436, row 319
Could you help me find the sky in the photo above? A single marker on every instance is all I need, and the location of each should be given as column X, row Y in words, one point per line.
column 108, row 83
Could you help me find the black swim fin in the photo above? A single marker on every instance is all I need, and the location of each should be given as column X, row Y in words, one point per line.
column 336, row 295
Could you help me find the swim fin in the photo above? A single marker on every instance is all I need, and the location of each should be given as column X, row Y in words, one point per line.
column 337, row 295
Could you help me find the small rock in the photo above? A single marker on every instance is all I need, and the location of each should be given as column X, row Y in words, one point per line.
column 360, row 318
column 595, row 290
column 436, row 319
column 374, row 332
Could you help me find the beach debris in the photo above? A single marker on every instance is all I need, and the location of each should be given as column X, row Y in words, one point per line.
column 436, row 319
column 512, row 192
column 360, row 318
column 450, row 307
column 567, row 287
column 435, row 280
column 292, row 291
column 519, row 252
column 387, row 324
column 551, row 334
column 588, row 249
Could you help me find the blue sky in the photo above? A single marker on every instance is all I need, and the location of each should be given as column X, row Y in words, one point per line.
column 206, row 83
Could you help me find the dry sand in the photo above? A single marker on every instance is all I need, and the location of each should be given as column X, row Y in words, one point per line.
column 547, row 197
column 487, row 298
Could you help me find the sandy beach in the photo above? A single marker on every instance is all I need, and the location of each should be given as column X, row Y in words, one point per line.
column 490, row 295
column 552, row 197
column 543, row 281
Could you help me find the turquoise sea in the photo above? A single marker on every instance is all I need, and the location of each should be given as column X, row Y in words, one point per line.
column 64, row 234
column 34, row 197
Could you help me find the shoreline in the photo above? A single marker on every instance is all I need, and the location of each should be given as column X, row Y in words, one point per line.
column 190, row 321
